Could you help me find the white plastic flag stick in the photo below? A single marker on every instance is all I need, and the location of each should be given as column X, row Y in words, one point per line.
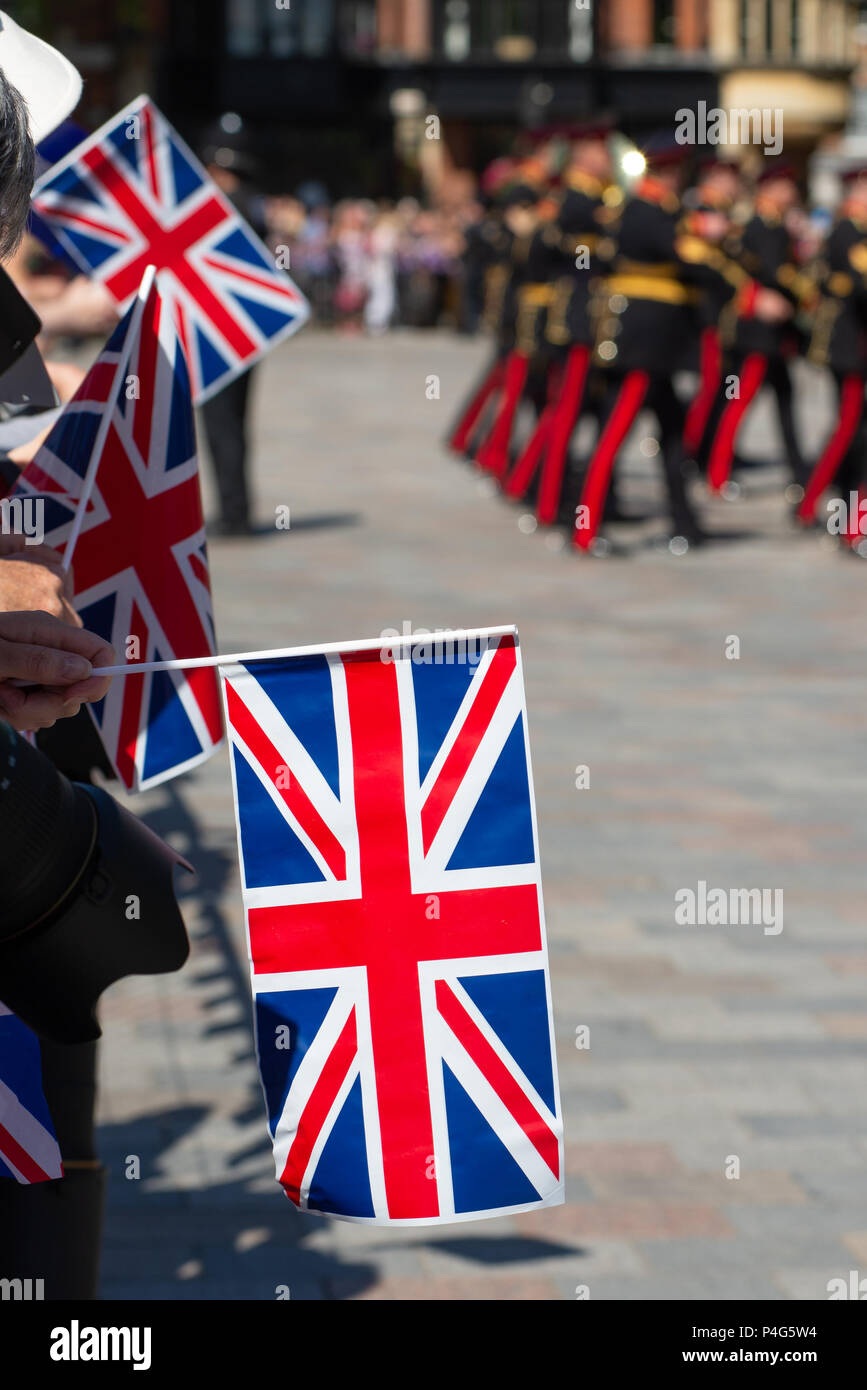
column 105, row 421
column 369, row 644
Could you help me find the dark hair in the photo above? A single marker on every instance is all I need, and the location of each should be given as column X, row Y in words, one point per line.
column 17, row 167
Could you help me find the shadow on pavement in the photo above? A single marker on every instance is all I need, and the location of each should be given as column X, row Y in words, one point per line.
column 316, row 521
column 211, row 1240
column 216, row 1242
column 503, row 1250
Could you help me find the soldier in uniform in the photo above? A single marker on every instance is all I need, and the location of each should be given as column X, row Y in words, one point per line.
column 487, row 265
column 757, row 329
column 839, row 342
column 571, row 249
column 526, row 296
column 710, row 217
column 647, row 325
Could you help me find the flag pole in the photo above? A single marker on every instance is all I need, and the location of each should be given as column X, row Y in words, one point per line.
column 105, row 421
column 370, row 644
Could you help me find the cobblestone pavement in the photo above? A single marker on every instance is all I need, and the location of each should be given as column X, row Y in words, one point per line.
column 706, row 1043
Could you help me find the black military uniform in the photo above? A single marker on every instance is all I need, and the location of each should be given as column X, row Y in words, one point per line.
column 757, row 351
column 645, row 332
column 490, row 253
column 708, row 205
column 573, row 250
column 476, row 258
column 522, row 308
column 839, row 341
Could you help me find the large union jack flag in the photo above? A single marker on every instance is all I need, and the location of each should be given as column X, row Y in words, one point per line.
column 126, row 444
column 28, row 1148
column 134, row 195
column 390, row 874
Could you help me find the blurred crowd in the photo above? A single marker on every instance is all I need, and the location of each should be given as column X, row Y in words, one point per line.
column 367, row 266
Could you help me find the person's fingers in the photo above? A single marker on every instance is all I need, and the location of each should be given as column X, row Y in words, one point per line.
column 97, row 687
column 90, row 644
column 44, row 630
column 43, row 651
column 38, row 710
column 100, row 653
column 11, row 700
column 87, row 692
column 49, row 704
column 37, row 665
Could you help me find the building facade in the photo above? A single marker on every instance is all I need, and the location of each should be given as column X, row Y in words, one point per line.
column 334, row 88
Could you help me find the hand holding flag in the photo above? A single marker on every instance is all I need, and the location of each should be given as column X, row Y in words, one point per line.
column 118, row 476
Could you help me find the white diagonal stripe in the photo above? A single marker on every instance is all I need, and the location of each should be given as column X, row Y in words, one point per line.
column 503, row 1123
column 27, row 1131
column 476, row 778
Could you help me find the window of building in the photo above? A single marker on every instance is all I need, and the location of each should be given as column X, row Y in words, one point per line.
column 744, row 27
column 664, row 23
column 456, row 32
column 304, row 28
column 357, row 30
column 756, row 28
column 580, row 32
column 513, row 30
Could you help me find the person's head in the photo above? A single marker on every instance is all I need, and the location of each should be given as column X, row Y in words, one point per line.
column 720, row 179
column 17, row 166
column 855, row 189
column 225, row 178
column 665, row 161
column 778, row 189
column 519, row 213
column 591, row 154
column 39, row 88
column 669, row 175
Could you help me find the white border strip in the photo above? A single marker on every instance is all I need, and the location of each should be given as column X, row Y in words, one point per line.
column 368, row 644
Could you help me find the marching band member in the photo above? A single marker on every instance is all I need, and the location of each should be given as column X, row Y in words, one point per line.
column 574, row 246
column 839, row 342
column 758, row 333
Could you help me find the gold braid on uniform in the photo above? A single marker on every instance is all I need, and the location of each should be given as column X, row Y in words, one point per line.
column 797, row 283
column 532, row 301
column 496, row 280
column 695, row 250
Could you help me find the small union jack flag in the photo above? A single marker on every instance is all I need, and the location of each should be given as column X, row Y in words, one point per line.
column 134, row 195
column 28, row 1148
column 126, row 445
column 387, row 838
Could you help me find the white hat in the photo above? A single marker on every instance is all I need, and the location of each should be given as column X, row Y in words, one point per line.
column 48, row 82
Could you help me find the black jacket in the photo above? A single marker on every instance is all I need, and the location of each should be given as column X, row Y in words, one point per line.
column 649, row 317
column 578, row 247
column 766, row 253
column 839, row 338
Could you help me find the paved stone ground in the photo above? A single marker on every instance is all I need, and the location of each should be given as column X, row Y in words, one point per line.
column 705, row 1042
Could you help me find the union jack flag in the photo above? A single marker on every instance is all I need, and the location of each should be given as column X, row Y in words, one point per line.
column 387, row 839
column 126, row 444
column 28, row 1148
column 134, row 195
